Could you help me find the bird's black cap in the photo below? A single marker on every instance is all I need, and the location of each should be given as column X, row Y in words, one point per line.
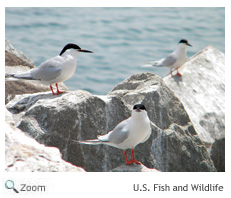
column 185, row 41
column 73, row 46
column 139, row 106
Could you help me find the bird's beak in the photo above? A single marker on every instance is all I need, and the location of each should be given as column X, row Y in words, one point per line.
column 83, row 50
column 189, row 44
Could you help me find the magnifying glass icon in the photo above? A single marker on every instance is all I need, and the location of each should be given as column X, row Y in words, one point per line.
column 9, row 184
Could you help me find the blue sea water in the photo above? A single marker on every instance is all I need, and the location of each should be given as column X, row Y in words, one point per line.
column 122, row 39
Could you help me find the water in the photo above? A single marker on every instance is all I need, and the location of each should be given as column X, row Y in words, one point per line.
column 122, row 39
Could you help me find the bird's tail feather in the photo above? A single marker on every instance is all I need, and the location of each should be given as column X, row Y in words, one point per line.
column 92, row 142
column 147, row 65
column 16, row 77
column 152, row 64
column 10, row 77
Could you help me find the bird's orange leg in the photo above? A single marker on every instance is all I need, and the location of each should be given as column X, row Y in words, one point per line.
column 58, row 92
column 178, row 73
column 52, row 89
column 133, row 158
column 127, row 161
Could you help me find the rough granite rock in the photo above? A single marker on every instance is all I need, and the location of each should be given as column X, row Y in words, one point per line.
column 24, row 154
column 56, row 120
column 15, row 57
column 17, row 62
column 133, row 168
column 13, row 88
column 201, row 89
column 150, row 90
column 218, row 154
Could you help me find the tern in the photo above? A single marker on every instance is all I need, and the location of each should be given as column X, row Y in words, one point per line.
column 54, row 70
column 127, row 134
column 176, row 59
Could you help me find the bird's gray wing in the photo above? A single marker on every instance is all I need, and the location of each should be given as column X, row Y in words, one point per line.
column 48, row 70
column 169, row 60
column 119, row 133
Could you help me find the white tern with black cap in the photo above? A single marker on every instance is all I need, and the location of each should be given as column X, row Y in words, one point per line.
column 128, row 133
column 54, row 70
column 174, row 60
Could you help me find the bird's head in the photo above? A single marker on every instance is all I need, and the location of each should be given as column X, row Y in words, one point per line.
column 184, row 42
column 139, row 110
column 73, row 47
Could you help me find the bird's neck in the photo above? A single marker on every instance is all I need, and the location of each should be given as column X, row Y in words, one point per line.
column 181, row 48
column 139, row 115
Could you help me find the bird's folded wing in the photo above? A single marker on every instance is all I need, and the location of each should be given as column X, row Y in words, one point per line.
column 169, row 60
column 47, row 71
column 120, row 133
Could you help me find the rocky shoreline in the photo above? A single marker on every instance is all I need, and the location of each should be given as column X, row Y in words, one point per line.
column 177, row 144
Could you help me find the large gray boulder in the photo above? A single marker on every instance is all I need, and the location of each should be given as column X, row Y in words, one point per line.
column 56, row 120
column 218, row 154
column 13, row 88
column 174, row 139
column 15, row 57
column 201, row 89
column 24, row 154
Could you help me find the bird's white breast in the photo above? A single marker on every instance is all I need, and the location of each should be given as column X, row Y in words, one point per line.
column 139, row 130
column 69, row 64
column 180, row 54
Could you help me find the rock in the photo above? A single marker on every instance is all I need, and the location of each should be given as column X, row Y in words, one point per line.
column 178, row 140
column 13, row 88
column 22, row 153
column 133, row 168
column 57, row 120
column 15, row 57
column 149, row 89
column 70, row 116
column 18, row 62
column 180, row 149
column 201, row 89
column 218, row 154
